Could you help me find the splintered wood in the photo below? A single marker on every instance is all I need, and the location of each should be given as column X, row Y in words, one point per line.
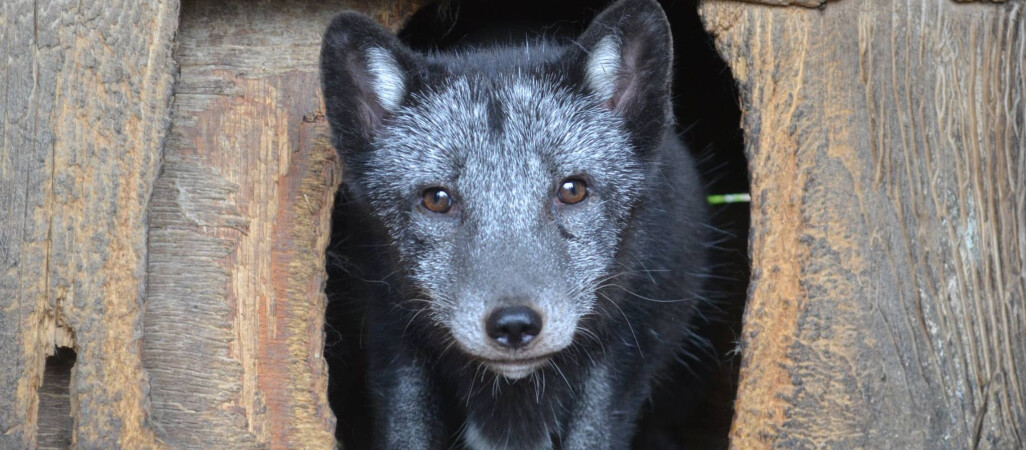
column 194, row 301
column 86, row 87
column 239, row 224
column 887, row 147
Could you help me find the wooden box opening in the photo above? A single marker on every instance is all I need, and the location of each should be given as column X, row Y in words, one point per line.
column 172, row 181
column 708, row 115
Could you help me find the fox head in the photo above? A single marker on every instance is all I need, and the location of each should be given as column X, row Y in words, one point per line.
column 506, row 178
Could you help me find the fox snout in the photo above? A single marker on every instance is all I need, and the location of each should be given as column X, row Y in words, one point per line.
column 513, row 327
column 515, row 345
column 513, row 335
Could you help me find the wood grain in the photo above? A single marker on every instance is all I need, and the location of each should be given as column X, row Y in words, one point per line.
column 822, row 3
column 239, row 224
column 86, row 88
column 806, row 3
column 887, row 152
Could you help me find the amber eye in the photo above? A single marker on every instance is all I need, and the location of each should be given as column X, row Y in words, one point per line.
column 572, row 191
column 437, row 200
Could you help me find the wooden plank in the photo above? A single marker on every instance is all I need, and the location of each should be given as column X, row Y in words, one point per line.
column 806, row 3
column 86, row 87
column 887, row 147
column 822, row 3
column 240, row 219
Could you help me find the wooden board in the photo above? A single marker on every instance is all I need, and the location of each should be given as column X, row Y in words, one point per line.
column 239, row 224
column 887, row 151
column 85, row 88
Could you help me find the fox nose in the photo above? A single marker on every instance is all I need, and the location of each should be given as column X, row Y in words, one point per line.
column 513, row 326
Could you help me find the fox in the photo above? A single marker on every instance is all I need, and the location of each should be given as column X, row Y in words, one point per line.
column 524, row 232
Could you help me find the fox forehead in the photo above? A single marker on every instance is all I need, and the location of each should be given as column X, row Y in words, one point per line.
column 510, row 123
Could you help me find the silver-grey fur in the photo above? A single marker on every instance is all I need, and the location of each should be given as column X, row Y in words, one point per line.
column 505, row 184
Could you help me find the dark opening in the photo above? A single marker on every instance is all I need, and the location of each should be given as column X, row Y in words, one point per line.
column 694, row 409
column 55, row 422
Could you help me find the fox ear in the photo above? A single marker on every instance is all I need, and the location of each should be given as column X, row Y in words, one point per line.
column 365, row 74
column 625, row 59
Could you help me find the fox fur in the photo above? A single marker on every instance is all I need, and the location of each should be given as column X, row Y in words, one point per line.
column 613, row 279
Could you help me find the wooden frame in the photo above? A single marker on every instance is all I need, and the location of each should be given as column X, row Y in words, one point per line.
column 166, row 183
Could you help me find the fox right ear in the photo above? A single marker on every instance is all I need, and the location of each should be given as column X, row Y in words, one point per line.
column 365, row 74
column 625, row 58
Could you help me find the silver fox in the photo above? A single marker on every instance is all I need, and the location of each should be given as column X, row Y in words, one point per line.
column 526, row 237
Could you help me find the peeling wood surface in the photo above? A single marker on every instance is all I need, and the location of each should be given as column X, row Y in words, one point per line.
column 239, row 224
column 806, row 3
column 86, row 88
column 887, row 150
column 822, row 3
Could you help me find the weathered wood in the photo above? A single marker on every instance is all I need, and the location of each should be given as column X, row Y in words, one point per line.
column 806, row 3
column 239, row 224
column 887, row 148
column 819, row 3
column 86, row 87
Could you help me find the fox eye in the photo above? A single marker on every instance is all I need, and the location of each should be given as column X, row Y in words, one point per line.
column 437, row 200
column 572, row 191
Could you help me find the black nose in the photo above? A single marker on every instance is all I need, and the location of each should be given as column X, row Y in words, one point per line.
column 513, row 326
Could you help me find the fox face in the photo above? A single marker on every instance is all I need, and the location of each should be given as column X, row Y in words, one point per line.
column 512, row 216
column 506, row 179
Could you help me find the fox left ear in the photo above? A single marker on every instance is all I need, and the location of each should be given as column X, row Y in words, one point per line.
column 625, row 59
column 365, row 73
